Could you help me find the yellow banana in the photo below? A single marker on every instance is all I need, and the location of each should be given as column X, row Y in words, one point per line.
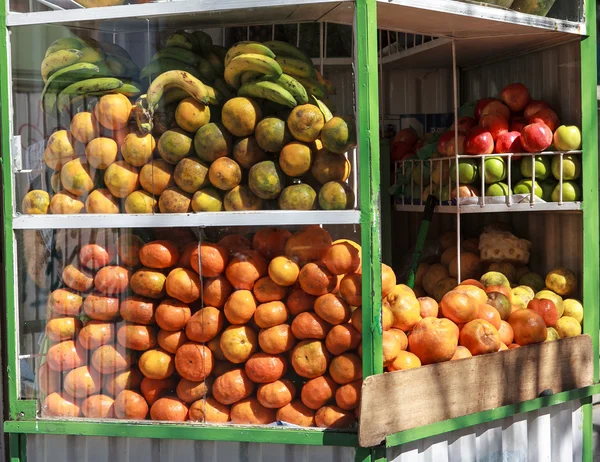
column 296, row 67
column 288, row 50
column 250, row 62
column 57, row 60
column 91, row 55
column 313, row 87
column 67, row 43
column 241, row 48
column 183, row 40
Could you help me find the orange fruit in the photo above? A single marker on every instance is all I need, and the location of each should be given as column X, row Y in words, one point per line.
column 345, row 368
column 250, row 412
column 239, row 343
column 461, row 352
column 310, row 325
column 185, row 255
column 388, row 280
column 172, row 314
column 204, row 325
column 474, row 291
column 405, row 360
column 65, row 355
column 506, row 333
column 391, row 347
column 65, row 302
column 512, row 346
column 318, row 392
column 351, row 289
column 138, row 310
column 149, row 283
column 528, row 327
column 347, row 396
column 125, row 380
column 59, row 404
column 356, row 319
column 459, row 307
column 209, row 410
column 156, row 364
column 49, row 381
column 84, row 127
column 342, row 258
column 283, row 271
column 406, row 309
column 433, row 340
column 316, row 280
column 334, row 417
column 193, row 361
column 342, row 338
column 169, row 409
column 270, row 314
column 387, row 316
column 240, row 307
column 277, row 339
column 489, row 314
column 153, row 389
column 184, row 285
column 297, row 413
column 429, row 307
column 299, row 301
column 232, row 387
column 245, row 268
column 265, row 368
column 59, row 329
column 95, row 256
column 310, row 358
column 109, row 359
column 137, row 337
column 215, row 347
column 310, row 244
column 480, row 337
column 266, row 290
column 171, row 340
column 159, row 254
column 235, row 243
column 472, row 282
column 189, row 392
column 113, row 111
column 98, row 407
column 502, row 347
column 212, row 257
column 216, row 291
column 78, row 278
column 270, row 242
column 332, row 309
column 101, row 307
column 130, row 405
column 82, row 382
column 112, row 280
column 276, row 394
column 401, row 336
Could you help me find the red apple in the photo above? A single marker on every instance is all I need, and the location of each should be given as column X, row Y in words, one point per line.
column 495, row 124
column 496, row 107
column 546, row 309
column 480, row 105
column 515, row 96
column 406, row 135
column 479, row 141
column 451, row 146
column 509, row 142
column 517, row 124
column 464, row 125
column 546, row 116
column 536, row 137
column 535, row 106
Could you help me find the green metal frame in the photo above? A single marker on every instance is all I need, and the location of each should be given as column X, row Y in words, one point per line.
column 22, row 413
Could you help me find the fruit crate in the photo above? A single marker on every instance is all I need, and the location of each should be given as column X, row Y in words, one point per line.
column 413, row 37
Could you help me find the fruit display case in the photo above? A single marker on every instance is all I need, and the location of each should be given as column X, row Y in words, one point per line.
column 433, row 34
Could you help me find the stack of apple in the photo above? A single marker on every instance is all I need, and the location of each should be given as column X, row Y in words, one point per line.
column 513, row 123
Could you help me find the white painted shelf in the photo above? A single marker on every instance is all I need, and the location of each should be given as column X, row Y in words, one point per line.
column 497, row 208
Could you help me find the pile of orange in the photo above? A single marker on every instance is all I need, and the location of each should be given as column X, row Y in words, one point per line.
column 250, row 331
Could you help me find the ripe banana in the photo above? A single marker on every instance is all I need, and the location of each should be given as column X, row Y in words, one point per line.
column 268, row 90
column 241, row 48
column 180, row 54
column 67, row 43
column 204, row 40
column 313, row 87
column 323, row 107
column 206, row 71
column 57, row 60
column 62, row 79
column 250, row 62
column 288, row 50
column 183, row 40
column 146, row 104
column 91, row 55
column 163, row 65
column 249, row 77
column 96, row 86
column 296, row 67
column 295, row 88
column 329, row 87
column 215, row 62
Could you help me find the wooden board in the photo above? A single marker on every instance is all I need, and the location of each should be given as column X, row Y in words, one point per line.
column 402, row 400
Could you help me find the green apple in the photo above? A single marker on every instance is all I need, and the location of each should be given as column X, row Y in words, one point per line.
column 567, row 138
column 440, row 167
column 467, row 171
column 542, row 167
column 571, row 192
column 571, row 167
column 495, row 169
column 443, row 195
column 524, row 187
column 497, row 189
column 548, row 186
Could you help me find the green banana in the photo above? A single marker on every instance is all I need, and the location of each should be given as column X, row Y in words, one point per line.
column 62, row 79
column 215, row 62
column 146, row 104
column 204, row 40
column 130, row 88
column 250, row 62
column 92, row 43
column 183, row 40
column 296, row 67
column 225, row 89
column 268, row 90
column 96, row 86
column 249, row 76
column 323, row 107
column 288, row 50
column 114, row 49
column 57, row 60
column 329, row 87
column 180, row 54
column 92, row 55
column 160, row 66
column 313, row 87
column 67, row 43
column 220, row 51
column 206, row 71
column 241, row 48
column 295, row 88
column 122, row 66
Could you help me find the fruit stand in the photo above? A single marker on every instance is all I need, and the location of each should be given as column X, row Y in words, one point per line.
column 360, row 227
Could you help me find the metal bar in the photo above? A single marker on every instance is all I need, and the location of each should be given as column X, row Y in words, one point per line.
column 539, row 207
column 591, row 221
column 369, row 163
column 456, row 154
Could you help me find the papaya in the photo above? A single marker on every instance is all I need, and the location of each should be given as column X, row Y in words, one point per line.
column 266, row 180
column 336, row 195
column 339, row 134
column 212, row 141
column 174, row 145
column 241, row 198
column 272, row 134
column 298, row 196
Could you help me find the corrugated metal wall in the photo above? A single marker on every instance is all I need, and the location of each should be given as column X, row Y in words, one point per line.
column 550, row 435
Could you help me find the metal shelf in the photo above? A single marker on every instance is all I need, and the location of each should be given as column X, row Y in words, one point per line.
column 497, row 208
column 173, row 220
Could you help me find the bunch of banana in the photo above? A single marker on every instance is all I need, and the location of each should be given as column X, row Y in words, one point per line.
column 74, row 68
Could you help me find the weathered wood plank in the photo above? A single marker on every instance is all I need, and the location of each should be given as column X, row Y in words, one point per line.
column 402, row 400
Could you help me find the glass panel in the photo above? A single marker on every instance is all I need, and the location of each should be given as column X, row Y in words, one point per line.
column 27, row 6
column 131, row 323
